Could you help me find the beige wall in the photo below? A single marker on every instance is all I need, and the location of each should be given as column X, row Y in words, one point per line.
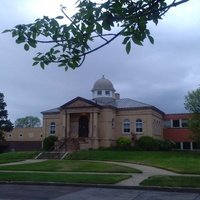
column 148, row 116
column 48, row 119
column 25, row 134
column 108, row 131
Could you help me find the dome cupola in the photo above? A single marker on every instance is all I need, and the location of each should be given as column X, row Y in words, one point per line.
column 103, row 88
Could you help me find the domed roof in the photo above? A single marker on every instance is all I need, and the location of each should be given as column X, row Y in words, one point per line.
column 103, row 84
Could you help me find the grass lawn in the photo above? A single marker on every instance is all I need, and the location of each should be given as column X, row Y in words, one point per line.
column 181, row 162
column 71, row 166
column 172, row 181
column 62, row 178
column 16, row 156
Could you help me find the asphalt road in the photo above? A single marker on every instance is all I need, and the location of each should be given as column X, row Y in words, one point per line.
column 50, row 192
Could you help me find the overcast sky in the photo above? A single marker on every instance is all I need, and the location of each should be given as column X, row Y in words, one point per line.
column 159, row 74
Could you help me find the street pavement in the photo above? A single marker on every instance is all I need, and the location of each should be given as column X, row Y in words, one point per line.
column 50, row 192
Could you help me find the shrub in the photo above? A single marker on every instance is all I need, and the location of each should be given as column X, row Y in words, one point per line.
column 166, row 145
column 124, row 142
column 48, row 142
column 148, row 143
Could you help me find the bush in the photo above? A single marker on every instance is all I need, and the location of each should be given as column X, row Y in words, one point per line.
column 124, row 142
column 147, row 143
column 48, row 142
column 166, row 145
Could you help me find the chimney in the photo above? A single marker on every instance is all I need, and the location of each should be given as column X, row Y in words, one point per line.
column 117, row 96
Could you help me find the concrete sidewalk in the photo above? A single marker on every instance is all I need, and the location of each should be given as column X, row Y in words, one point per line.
column 23, row 162
column 137, row 178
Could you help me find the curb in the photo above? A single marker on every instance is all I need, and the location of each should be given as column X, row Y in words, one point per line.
column 155, row 188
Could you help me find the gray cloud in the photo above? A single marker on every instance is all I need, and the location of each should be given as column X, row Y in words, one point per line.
column 159, row 74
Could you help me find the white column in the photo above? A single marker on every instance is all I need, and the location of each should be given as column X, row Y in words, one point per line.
column 191, row 146
column 181, row 144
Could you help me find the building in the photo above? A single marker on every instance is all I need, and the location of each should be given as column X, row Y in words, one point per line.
column 25, row 139
column 98, row 122
column 176, row 130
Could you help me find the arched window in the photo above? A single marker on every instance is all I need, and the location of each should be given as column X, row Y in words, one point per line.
column 138, row 126
column 52, row 129
column 126, row 126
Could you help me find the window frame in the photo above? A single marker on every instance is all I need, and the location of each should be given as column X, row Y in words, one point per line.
column 126, row 126
column 107, row 92
column 52, row 128
column 138, row 126
column 99, row 92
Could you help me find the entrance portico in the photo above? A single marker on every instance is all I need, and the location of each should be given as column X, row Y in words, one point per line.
column 81, row 123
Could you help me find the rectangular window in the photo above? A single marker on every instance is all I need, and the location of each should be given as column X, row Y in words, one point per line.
column 107, row 93
column 195, row 145
column 139, row 126
column 184, row 123
column 167, row 124
column 139, row 129
column 99, row 92
column 127, row 128
column 176, row 123
column 186, row 145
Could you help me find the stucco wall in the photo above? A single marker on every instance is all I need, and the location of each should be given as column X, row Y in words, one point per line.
column 148, row 116
column 57, row 119
column 25, row 134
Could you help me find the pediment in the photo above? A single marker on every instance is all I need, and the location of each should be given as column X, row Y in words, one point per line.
column 79, row 102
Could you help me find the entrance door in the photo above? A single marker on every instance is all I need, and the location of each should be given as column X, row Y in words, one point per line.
column 83, row 130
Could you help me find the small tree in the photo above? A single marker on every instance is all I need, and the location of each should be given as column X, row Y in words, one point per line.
column 194, row 126
column 49, row 142
column 192, row 104
column 28, row 121
column 124, row 142
column 5, row 123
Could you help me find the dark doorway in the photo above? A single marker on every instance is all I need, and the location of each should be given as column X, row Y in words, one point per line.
column 83, row 129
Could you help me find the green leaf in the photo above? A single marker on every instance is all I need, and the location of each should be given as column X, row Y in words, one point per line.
column 20, row 39
column 137, row 41
column 26, row 47
column 37, row 59
column 151, row 39
column 35, row 63
column 106, row 25
column 99, row 28
column 7, row 30
column 59, row 17
column 126, row 39
column 42, row 65
column 128, row 47
column 155, row 20
column 14, row 33
column 56, row 51
column 32, row 43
